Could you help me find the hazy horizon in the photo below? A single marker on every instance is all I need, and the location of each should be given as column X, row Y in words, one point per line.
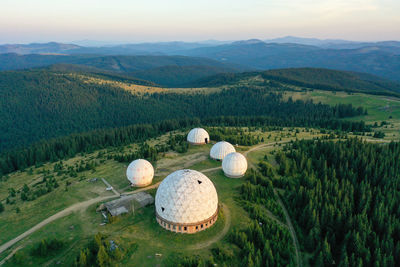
column 123, row 21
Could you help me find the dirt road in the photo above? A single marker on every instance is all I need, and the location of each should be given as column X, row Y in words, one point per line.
column 76, row 207
column 291, row 230
column 220, row 235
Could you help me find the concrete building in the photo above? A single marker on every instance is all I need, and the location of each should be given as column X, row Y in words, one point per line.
column 234, row 165
column 186, row 202
column 198, row 136
column 127, row 203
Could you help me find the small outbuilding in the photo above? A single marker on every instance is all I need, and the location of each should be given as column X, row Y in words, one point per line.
column 234, row 165
column 198, row 136
column 127, row 203
column 220, row 150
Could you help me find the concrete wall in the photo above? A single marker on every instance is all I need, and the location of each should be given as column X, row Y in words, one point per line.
column 188, row 228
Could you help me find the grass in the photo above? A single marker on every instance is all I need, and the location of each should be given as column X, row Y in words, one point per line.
column 137, row 233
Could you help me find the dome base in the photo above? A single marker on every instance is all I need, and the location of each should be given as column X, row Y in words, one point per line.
column 187, row 228
column 197, row 144
column 140, row 185
column 234, row 176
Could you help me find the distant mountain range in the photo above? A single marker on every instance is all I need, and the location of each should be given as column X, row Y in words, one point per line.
column 168, row 71
column 379, row 58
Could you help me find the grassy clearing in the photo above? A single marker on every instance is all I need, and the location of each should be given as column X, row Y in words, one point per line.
column 379, row 107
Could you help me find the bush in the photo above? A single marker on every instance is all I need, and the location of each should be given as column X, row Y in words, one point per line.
column 44, row 247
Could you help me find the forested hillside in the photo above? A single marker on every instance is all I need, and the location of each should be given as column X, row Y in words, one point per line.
column 168, row 71
column 38, row 105
column 323, row 79
column 373, row 59
column 344, row 197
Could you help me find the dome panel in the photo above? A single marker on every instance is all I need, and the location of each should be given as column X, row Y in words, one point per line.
column 181, row 199
column 221, row 149
column 234, row 165
column 140, row 172
column 198, row 136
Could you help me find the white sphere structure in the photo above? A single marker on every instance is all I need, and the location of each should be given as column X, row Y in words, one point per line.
column 198, row 136
column 140, row 172
column 186, row 202
column 220, row 150
column 234, row 165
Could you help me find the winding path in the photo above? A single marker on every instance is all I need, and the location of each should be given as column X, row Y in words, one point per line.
column 219, row 236
column 291, row 230
column 288, row 224
column 65, row 212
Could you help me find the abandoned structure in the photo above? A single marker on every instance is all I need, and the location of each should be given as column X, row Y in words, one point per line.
column 140, row 173
column 198, row 136
column 220, row 150
column 127, row 203
column 234, row 165
column 186, row 202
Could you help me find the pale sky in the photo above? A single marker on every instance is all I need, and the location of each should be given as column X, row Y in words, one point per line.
column 23, row 21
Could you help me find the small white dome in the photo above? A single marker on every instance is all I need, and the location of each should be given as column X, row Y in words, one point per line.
column 221, row 149
column 234, row 165
column 186, row 197
column 140, row 172
column 198, row 136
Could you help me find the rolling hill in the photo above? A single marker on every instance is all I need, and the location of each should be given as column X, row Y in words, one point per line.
column 316, row 78
column 42, row 104
column 378, row 58
column 168, row 71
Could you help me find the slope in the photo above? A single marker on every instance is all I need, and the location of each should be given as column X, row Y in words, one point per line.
column 316, row 78
column 41, row 104
column 379, row 60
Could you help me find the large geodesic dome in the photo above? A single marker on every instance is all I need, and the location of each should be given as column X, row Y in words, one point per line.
column 186, row 202
column 198, row 136
column 140, row 172
column 234, row 165
column 220, row 150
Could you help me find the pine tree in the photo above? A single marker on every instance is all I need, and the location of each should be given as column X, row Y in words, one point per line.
column 103, row 259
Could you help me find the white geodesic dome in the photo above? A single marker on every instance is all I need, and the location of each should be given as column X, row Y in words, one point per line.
column 234, row 165
column 140, row 172
column 198, row 136
column 221, row 149
column 186, row 197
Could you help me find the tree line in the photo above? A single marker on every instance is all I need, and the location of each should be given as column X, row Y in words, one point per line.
column 68, row 146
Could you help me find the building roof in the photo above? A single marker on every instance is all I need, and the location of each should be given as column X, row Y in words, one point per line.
column 185, row 197
column 126, row 203
column 140, row 172
column 221, row 149
column 198, row 136
column 234, row 165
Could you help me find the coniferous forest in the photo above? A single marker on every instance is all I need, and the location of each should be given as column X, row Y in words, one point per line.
column 49, row 104
column 344, row 197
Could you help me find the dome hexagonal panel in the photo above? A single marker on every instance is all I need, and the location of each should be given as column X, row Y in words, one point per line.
column 198, row 136
column 185, row 197
column 234, row 165
column 221, row 149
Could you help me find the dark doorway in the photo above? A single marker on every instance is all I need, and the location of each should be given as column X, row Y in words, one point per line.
column 206, row 140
